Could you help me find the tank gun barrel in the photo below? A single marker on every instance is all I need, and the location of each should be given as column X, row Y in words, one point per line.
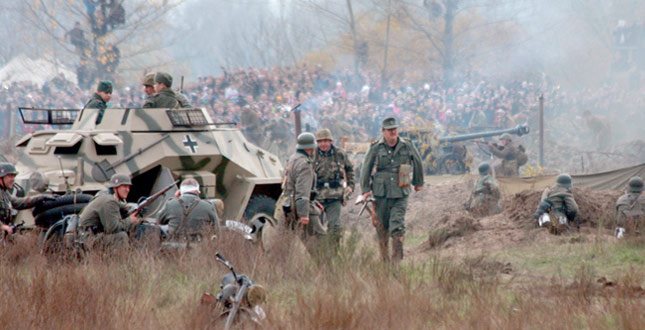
column 518, row 130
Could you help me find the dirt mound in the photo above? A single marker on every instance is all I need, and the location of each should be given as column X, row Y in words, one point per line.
column 595, row 206
column 451, row 225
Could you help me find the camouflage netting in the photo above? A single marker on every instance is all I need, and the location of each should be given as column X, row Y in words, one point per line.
column 595, row 206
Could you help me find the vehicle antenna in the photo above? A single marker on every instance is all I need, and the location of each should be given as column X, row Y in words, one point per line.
column 62, row 172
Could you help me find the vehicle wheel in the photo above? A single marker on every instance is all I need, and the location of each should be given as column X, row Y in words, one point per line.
column 260, row 204
column 49, row 217
column 60, row 201
column 52, row 242
column 243, row 319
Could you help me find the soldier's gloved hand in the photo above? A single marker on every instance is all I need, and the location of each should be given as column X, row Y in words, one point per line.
column 43, row 198
column 304, row 221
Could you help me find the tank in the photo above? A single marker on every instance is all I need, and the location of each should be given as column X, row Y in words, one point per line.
column 447, row 154
column 155, row 147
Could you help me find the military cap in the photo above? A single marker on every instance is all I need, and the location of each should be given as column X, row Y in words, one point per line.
column 118, row 180
column 635, row 184
column 163, row 78
column 564, row 180
column 306, row 140
column 389, row 123
column 149, row 79
column 323, row 134
column 6, row 169
column 506, row 136
column 104, row 86
column 484, row 168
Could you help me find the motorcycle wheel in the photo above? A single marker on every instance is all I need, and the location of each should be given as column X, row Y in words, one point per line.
column 244, row 318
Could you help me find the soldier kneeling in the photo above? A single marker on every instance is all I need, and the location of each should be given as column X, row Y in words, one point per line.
column 557, row 208
column 184, row 218
column 630, row 209
column 100, row 221
column 484, row 200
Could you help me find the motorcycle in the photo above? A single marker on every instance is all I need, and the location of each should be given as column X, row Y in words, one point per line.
column 238, row 301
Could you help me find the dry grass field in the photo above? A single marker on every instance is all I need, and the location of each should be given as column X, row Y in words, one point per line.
column 497, row 273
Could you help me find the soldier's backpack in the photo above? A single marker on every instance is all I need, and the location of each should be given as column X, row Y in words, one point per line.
column 522, row 157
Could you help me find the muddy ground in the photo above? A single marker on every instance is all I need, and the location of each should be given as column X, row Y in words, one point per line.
column 438, row 222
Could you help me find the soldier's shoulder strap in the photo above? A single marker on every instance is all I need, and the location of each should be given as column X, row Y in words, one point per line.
column 186, row 211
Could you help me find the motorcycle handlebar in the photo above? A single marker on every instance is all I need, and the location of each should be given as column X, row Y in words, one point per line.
column 221, row 259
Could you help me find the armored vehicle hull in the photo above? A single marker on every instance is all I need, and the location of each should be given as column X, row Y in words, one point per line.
column 155, row 147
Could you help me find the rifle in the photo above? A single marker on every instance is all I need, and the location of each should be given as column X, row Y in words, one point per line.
column 146, row 202
column 366, row 202
column 14, row 229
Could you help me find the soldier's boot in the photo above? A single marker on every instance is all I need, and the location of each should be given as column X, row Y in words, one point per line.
column 384, row 249
column 383, row 243
column 397, row 249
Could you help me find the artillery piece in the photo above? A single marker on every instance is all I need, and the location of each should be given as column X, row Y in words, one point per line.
column 155, row 147
column 446, row 155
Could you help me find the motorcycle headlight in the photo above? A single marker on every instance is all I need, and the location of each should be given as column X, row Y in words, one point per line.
column 257, row 294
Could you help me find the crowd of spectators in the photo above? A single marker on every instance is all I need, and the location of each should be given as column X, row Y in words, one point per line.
column 260, row 101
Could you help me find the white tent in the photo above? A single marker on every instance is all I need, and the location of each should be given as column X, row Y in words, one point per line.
column 22, row 68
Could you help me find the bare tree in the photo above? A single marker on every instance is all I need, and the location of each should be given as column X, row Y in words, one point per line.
column 97, row 35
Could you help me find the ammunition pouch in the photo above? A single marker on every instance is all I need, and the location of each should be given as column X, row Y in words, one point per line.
column 286, row 206
column 320, row 184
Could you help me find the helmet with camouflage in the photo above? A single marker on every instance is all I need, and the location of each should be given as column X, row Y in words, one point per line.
column 118, row 180
column 306, row 140
column 506, row 136
column 484, row 168
column 635, row 184
column 564, row 180
column 6, row 169
column 323, row 134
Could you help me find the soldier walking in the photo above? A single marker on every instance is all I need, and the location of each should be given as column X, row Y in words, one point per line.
column 184, row 218
column 101, row 219
column 335, row 181
column 630, row 209
column 484, row 199
column 393, row 159
column 296, row 207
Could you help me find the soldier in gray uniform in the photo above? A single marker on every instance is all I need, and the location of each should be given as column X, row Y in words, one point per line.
column 630, row 209
column 185, row 217
column 558, row 203
column 335, row 180
column 394, row 159
column 165, row 97
column 296, row 206
column 8, row 202
column 101, row 218
column 484, row 199
column 100, row 99
column 149, row 84
column 507, row 152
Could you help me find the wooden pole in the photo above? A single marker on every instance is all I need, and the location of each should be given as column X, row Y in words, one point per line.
column 541, row 130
